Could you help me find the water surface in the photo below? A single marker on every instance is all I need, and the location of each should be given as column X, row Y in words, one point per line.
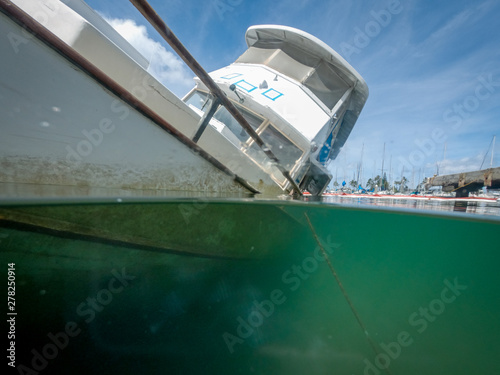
column 193, row 286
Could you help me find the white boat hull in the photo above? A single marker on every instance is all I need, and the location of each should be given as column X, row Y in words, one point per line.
column 59, row 126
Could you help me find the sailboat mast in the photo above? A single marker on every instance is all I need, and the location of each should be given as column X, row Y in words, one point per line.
column 390, row 172
column 382, row 175
column 492, row 151
column 360, row 163
column 383, row 159
column 444, row 158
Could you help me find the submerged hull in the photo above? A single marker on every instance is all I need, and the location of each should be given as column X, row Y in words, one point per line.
column 251, row 297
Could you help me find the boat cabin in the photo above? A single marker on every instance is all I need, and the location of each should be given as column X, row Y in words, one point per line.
column 299, row 96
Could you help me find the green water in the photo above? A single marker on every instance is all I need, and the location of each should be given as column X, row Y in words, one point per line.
column 242, row 287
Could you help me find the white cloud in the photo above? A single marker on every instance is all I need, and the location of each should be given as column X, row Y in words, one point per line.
column 451, row 26
column 164, row 65
column 464, row 164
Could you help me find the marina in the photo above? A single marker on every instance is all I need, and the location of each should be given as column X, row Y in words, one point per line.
column 419, row 197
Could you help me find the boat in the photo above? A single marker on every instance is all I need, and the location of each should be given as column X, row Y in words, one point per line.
column 111, row 270
column 268, row 123
column 298, row 94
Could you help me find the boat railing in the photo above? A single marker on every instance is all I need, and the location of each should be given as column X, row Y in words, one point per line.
column 35, row 28
column 219, row 97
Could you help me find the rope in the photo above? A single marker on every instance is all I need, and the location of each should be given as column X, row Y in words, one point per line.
column 486, row 153
column 344, row 292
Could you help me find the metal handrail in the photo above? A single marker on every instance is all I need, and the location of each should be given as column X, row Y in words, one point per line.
column 154, row 19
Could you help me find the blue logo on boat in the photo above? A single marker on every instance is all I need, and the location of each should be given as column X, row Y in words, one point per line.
column 272, row 94
column 231, row 76
column 244, row 85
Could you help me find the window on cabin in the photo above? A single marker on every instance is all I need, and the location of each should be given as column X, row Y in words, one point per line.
column 326, row 85
column 227, row 119
column 201, row 101
column 284, row 149
column 198, row 100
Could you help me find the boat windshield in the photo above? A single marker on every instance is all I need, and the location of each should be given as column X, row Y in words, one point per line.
column 284, row 149
column 287, row 152
column 314, row 73
column 201, row 100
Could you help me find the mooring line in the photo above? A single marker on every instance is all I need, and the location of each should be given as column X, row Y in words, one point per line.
column 344, row 292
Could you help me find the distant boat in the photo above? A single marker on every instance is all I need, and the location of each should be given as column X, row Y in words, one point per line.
column 80, row 109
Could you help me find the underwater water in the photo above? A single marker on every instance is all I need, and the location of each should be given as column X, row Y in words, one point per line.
column 250, row 287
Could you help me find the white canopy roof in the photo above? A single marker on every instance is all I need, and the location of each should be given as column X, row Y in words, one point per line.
column 269, row 35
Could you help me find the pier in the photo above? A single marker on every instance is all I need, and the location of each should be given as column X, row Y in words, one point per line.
column 464, row 183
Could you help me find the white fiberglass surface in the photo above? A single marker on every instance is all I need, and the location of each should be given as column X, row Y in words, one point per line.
column 312, row 72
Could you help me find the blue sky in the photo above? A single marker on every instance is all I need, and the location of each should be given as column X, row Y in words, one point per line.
column 432, row 67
